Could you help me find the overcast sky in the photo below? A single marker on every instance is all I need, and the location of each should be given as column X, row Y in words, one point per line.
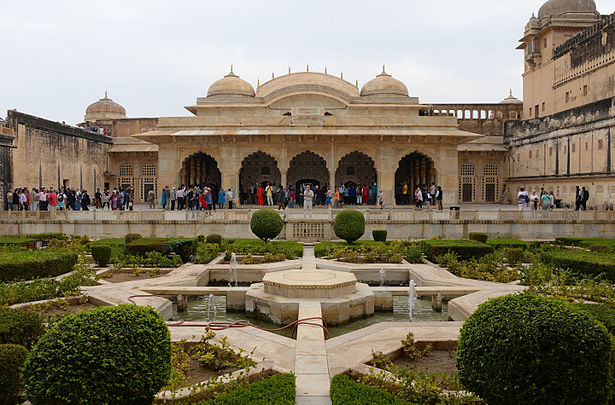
column 155, row 57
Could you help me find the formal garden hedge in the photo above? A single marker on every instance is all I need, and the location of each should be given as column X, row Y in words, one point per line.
column 508, row 243
column 214, row 238
column 46, row 236
column 12, row 359
column 478, row 236
column 183, row 247
column 20, row 327
column 349, row 225
column 582, row 263
column 379, row 235
column 585, row 242
column 531, row 349
column 142, row 246
column 346, row 391
column 266, row 224
column 291, row 249
column 18, row 241
column 117, row 354
column 278, row 389
column 101, row 254
column 464, row 249
column 28, row 265
column 605, row 313
column 131, row 237
column 367, row 251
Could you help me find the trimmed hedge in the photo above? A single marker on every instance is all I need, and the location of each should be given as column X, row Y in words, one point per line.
column 183, row 247
column 582, row 263
column 379, row 235
column 278, row 389
column 464, row 249
column 266, row 224
column 291, row 249
column 478, row 236
column 214, row 238
column 584, row 242
column 12, row 359
column 18, row 327
column 142, row 246
column 508, row 243
column 530, row 349
column 346, row 391
column 21, row 241
column 35, row 264
column 605, row 313
column 131, row 237
column 349, row 225
column 118, row 354
column 101, row 254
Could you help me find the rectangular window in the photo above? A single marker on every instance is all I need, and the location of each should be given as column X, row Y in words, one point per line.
column 536, row 111
column 567, row 96
column 545, row 43
column 599, row 143
column 543, row 106
column 574, row 147
column 585, row 145
column 585, row 90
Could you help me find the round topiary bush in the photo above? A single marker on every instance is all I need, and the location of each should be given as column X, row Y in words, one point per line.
column 214, row 238
column 119, row 354
column 349, row 225
column 20, row 327
column 266, row 224
column 101, row 254
column 379, row 235
column 478, row 236
column 520, row 349
column 12, row 359
column 130, row 237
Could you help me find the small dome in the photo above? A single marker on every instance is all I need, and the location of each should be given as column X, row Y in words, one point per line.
column 511, row 100
column 231, row 85
column 557, row 7
column 384, row 85
column 104, row 108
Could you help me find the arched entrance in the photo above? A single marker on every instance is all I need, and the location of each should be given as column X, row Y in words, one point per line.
column 414, row 169
column 356, row 169
column 259, row 168
column 308, row 167
column 200, row 169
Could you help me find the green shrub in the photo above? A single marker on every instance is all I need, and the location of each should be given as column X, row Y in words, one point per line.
column 101, row 254
column 9, row 241
column 117, row 354
column 346, row 391
column 582, row 263
column 413, row 254
column 200, row 238
column 206, row 252
column 478, row 236
column 464, row 249
column 130, row 237
column 266, row 224
column 514, row 255
column 142, row 246
column 349, row 225
column 184, row 247
column 531, row 349
column 20, row 327
column 214, row 238
column 508, row 243
column 291, row 249
column 274, row 257
column 12, row 359
column 278, row 389
column 379, row 235
column 605, row 313
column 35, row 264
column 598, row 248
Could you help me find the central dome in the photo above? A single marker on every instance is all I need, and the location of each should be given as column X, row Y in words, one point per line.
column 384, row 85
column 231, row 85
column 558, row 7
column 105, row 108
column 307, row 81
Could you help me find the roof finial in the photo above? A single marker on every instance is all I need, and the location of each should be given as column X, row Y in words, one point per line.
column 288, row 69
column 258, row 82
column 325, row 70
column 342, row 75
column 272, row 76
column 307, row 68
column 511, row 93
column 356, row 83
column 231, row 68
column 106, row 94
column 383, row 70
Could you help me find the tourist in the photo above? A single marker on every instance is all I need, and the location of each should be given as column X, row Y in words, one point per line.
column 545, row 205
column 85, row 200
column 260, row 193
column 120, row 200
column 328, row 198
column 280, row 198
column 23, row 200
column 167, row 197
column 552, row 200
column 78, row 200
column 432, row 192
column 381, row 199
column 52, row 200
column 104, row 199
column 221, row 198
column 534, row 199
column 97, row 198
column 418, row 197
column 203, row 205
column 404, row 194
column 269, row 194
column 523, row 198
column 163, row 196
column 9, row 199
column 253, row 190
column 150, row 199
column 439, row 197
column 584, row 198
column 577, row 198
column 180, row 197
column 230, row 198
column 61, row 199
column 70, row 203
column 374, row 193
column 308, row 197
column 172, row 198
column 364, row 190
column 292, row 198
column 359, row 195
column 33, row 200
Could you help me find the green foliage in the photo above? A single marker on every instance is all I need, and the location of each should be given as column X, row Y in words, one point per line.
column 20, row 327
column 266, row 224
column 464, row 249
column 478, row 236
column 349, row 225
column 599, row 248
column 582, row 263
column 278, row 389
column 514, row 255
column 346, row 391
column 118, row 354
column 410, row 349
column 142, row 246
column 291, row 249
column 101, row 254
column 38, row 236
column 22, row 241
column 530, row 349
column 379, row 235
column 413, row 254
column 151, row 259
column 130, row 237
column 214, row 238
column 184, row 247
column 605, row 313
column 35, row 264
column 446, row 259
column 12, row 359
column 206, row 252
column 273, row 258
column 508, row 243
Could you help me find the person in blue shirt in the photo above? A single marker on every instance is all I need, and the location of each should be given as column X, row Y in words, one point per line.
column 221, row 198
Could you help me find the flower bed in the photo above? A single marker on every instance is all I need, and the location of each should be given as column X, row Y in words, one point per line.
column 369, row 251
column 464, row 249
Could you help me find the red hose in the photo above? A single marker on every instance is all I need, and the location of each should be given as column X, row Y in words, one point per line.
column 243, row 324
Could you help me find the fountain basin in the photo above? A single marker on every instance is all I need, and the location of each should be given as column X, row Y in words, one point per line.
column 309, row 283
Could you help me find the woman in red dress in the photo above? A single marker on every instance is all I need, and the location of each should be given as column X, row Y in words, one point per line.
column 260, row 193
column 364, row 194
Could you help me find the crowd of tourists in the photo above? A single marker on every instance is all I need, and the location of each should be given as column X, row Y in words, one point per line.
column 196, row 198
column 546, row 201
column 95, row 128
column 422, row 197
column 66, row 198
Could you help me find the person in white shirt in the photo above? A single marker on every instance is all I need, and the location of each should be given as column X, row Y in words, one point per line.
column 418, row 197
column 230, row 198
column 523, row 198
column 534, row 198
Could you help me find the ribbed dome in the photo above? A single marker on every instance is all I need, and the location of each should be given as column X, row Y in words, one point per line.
column 231, row 85
column 556, row 7
column 511, row 100
column 104, row 108
column 384, row 85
